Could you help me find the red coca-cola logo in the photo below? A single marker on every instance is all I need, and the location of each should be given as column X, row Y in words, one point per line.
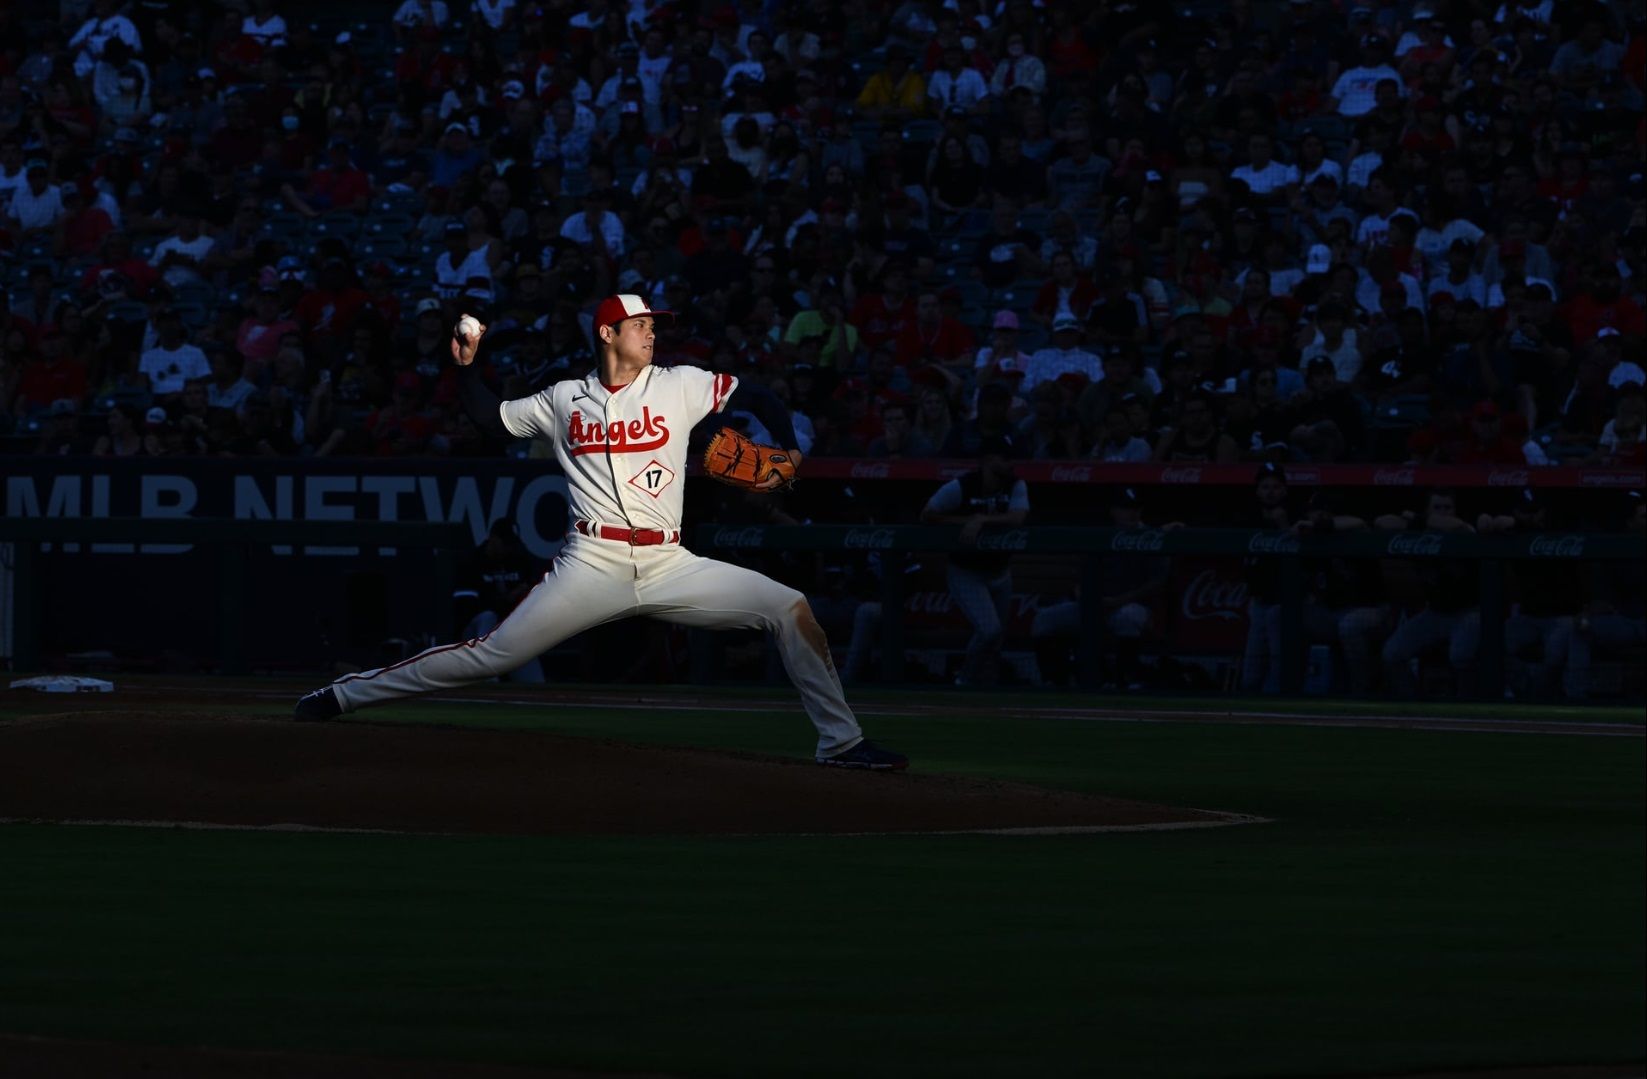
column 1181, row 475
column 1512, row 478
column 1207, row 595
column 1394, row 477
column 871, row 470
column 1071, row 473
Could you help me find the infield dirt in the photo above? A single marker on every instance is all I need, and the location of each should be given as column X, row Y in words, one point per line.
column 212, row 768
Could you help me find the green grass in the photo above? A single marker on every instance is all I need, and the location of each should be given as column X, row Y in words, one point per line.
column 1423, row 900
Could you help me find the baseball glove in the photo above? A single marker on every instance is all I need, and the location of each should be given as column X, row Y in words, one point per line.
column 735, row 460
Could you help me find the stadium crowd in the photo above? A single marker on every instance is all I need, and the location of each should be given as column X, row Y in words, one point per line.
column 1310, row 230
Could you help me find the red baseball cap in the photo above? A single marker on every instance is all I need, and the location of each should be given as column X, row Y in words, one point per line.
column 614, row 309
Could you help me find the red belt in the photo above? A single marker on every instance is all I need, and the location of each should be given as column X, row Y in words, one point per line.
column 635, row 537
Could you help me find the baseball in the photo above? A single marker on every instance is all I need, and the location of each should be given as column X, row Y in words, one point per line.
column 468, row 327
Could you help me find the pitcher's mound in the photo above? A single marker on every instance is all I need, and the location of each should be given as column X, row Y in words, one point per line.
column 213, row 769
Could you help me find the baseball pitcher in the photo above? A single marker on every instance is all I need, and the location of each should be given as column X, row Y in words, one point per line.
column 620, row 436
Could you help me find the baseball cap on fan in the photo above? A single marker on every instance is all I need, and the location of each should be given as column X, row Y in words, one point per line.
column 614, row 309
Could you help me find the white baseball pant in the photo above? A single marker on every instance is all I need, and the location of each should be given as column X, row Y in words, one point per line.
column 595, row 581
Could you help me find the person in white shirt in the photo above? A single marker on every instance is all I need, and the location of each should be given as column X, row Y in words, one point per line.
column 1381, row 207
column 1423, row 29
column 752, row 68
column 37, row 205
column 1265, row 177
column 265, row 26
column 458, row 264
column 956, row 84
column 1457, row 276
column 1440, row 235
column 1063, row 356
column 653, row 66
column 105, row 23
column 1018, row 68
column 420, row 14
column 172, row 361
column 494, row 13
column 1355, row 92
column 1003, row 344
column 180, row 256
column 583, row 226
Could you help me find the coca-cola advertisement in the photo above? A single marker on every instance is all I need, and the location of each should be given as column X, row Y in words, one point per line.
column 1209, row 605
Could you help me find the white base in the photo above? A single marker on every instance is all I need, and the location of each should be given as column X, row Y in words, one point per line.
column 64, row 683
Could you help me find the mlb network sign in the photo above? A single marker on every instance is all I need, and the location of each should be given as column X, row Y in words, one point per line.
column 473, row 493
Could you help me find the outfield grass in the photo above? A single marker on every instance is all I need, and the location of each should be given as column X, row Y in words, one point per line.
column 1423, row 900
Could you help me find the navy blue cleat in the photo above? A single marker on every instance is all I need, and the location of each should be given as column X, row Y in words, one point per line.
column 867, row 754
column 319, row 705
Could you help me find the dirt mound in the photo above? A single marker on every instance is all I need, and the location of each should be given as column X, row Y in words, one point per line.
column 232, row 770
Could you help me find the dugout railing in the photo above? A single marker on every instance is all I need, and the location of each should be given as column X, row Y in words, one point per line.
column 896, row 543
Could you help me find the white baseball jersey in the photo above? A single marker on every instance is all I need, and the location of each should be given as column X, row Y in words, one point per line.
column 623, row 452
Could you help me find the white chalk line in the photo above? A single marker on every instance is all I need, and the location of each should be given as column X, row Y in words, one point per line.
column 1223, row 820
column 1083, row 715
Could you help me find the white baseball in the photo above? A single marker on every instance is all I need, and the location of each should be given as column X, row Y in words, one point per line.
column 468, row 327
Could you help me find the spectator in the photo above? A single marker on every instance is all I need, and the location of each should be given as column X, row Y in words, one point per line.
column 1018, row 68
column 180, row 258
column 1328, row 424
column 124, row 438
column 1267, row 180
column 1003, row 344
column 955, row 85
column 1076, row 180
column 1066, row 354
column 173, row 360
column 1116, row 442
column 37, row 205
column 1007, row 251
column 336, row 185
column 261, row 333
column 896, row 92
column 980, row 582
column 1066, row 294
column 827, row 321
column 1197, row 437
column 933, row 337
column 1355, row 92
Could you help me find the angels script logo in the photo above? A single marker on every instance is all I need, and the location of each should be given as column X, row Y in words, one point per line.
column 636, row 436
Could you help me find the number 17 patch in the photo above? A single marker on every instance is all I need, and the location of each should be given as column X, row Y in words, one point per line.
column 652, row 478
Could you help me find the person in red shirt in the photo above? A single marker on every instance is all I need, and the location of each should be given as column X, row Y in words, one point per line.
column 401, row 427
column 336, row 185
column 1428, row 135
column 380, row 294
column 933, row 338
column 1601, row 303
column 1489, row 443
column 881, row 316
column 82, row 227
column 327, row 312
column 52, row 376
column 136, row 275
column 1065, row 291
